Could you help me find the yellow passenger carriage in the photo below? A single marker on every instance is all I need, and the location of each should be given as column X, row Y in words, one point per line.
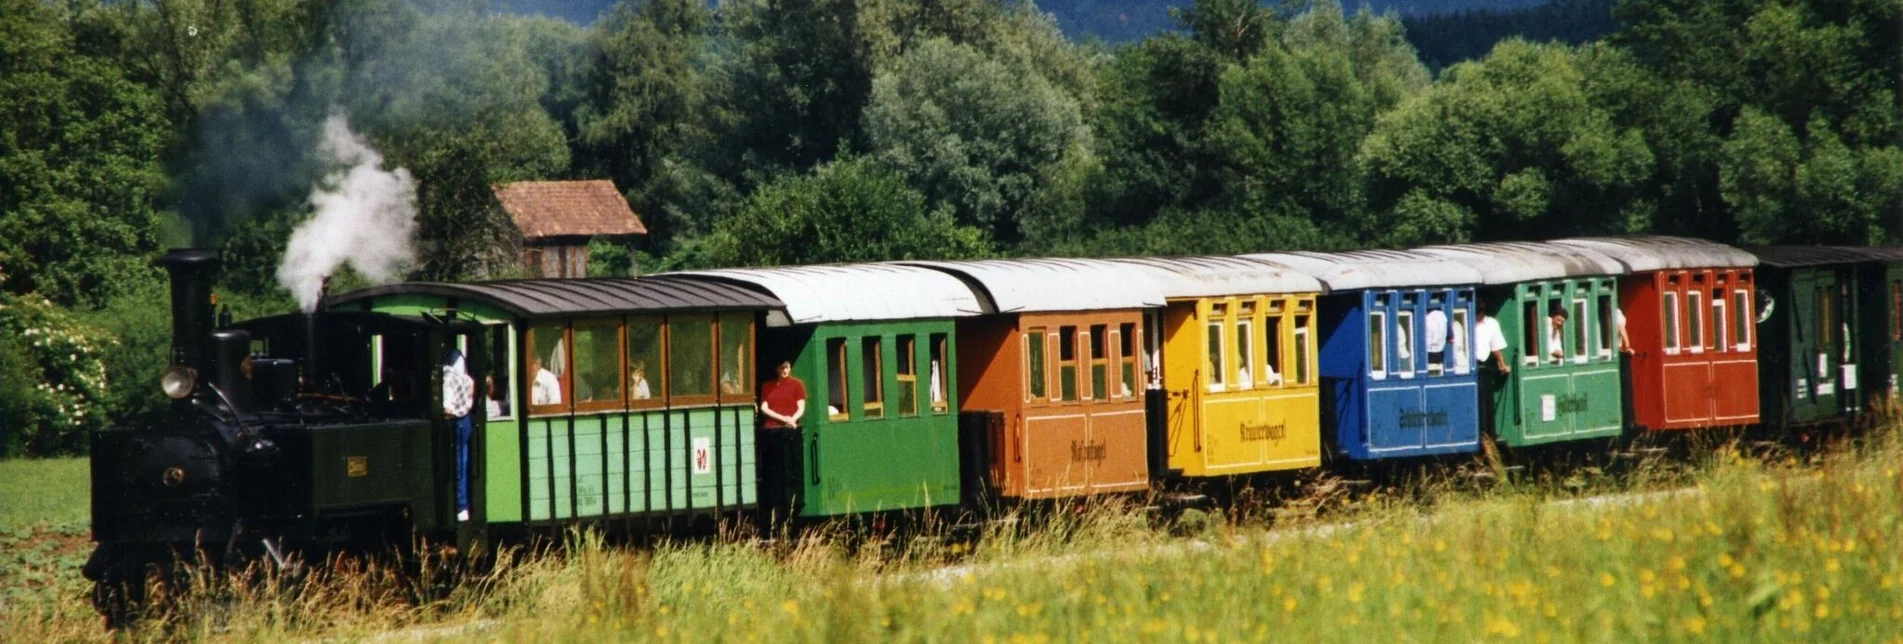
column 1238, row 379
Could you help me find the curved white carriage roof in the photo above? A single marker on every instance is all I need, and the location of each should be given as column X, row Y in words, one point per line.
column 1661, row 252
column 1363, row 269
column 1515, row 262
column 1221, row 276
column 1036, row 285
column 853, row 292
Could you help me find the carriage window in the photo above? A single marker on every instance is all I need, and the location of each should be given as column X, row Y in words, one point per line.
column 1607, row 335
column 1378, row 343
column 1067, row 362
column 908, row 375
column 1668, row 305
column 1581, row 330
column 940, row 402
column 1695, row 321
column 645, row 367
column 1720, row 323
column 1896, row 310
column 736, row 353
column 690, row 356
column 1457, row 339
column 597, row 375
column 1272, row 352
column 1034, row 355
column 836, row 379
column 1403, row 343
column 1826, row 320
column 1127, row 359
column 1302, row 373
column 1214, row 363
column 496, row 388
column 872, row 369
column 1530, row 323
column 1099, row 361
column 1245, row 354
column 548, row 367
column 1850, row 339
column 1741, row 310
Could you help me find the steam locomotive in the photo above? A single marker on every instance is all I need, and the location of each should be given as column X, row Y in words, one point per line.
column 228, row 473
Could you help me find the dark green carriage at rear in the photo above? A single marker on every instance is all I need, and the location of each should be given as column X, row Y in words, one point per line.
column 624, row 402
column 1811, row 330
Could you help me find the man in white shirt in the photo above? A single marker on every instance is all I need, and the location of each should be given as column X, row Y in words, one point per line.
column 1490, row 342
column 547, row 389
column 459, row 391
column 1436, row 330
column 1555, row 332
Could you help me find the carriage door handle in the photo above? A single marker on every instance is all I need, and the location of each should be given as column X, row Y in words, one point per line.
column 813, row 450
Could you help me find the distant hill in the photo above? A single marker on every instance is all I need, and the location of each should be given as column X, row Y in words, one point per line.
column 1113, row 21
column 1445, row 39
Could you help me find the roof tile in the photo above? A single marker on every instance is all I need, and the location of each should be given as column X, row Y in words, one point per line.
column 543, row 209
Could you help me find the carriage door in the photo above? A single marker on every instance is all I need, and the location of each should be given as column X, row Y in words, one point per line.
column 466, row 339
column 1687, row 375
column 1850, row 339
column 1893, row 326
column 1816, row 334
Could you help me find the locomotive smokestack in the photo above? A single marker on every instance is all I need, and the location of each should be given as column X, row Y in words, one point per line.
column 192, row 271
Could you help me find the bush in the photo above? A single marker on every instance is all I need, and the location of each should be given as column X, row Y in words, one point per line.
column 57, row 389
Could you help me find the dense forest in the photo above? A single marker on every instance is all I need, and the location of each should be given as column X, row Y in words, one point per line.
column 783, row 131
column 1447, row 38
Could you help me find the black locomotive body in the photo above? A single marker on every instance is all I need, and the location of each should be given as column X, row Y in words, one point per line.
column 282, row 437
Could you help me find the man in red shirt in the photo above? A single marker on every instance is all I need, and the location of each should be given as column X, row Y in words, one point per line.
column 783, row 400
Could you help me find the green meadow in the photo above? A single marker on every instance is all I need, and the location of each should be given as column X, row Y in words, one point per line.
column 1741, row 549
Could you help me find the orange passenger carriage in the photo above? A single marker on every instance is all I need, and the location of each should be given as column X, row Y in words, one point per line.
column 1690, row 312
column 1054, row 370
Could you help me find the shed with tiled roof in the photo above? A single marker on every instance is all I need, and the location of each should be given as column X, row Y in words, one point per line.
column 557, row 219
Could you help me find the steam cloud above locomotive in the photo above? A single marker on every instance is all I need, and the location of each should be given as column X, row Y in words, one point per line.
column 364, row 215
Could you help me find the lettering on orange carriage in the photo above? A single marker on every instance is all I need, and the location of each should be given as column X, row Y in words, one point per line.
column 1088, row 451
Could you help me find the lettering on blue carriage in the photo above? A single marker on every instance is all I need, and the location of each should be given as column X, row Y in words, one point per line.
column 1088, row 451
column 1424, row 418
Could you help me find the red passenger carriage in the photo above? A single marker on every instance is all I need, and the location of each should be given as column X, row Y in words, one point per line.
column 1690, row 307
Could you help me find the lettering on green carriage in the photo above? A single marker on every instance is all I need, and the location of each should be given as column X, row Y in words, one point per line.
column 1424, row 418
column 1573, row 404
column 1264, row 432
column 1087, row 451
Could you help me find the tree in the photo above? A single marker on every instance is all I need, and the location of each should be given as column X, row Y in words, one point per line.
column 976, row 135
column 850, row 210
column 1508, row 147
column 641, row 93
column 79, row 209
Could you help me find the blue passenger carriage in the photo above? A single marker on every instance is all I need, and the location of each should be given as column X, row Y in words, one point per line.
column 1397, row 374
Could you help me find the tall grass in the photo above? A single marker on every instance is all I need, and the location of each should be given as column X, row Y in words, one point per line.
column 1751, row 551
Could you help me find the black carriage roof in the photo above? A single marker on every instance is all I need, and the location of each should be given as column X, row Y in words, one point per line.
column 1805, row 256
column 552, row 297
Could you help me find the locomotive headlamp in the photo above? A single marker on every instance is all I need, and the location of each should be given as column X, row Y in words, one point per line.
column 178, row 382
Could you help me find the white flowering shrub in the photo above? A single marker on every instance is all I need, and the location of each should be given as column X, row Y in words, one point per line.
column 57, row 377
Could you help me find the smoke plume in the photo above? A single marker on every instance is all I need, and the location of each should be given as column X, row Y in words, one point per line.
column 363, row 215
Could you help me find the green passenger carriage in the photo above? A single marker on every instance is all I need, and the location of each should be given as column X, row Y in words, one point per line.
column 1565, row 383
column 1810, row 335
column 626, row 401
column 873, row 345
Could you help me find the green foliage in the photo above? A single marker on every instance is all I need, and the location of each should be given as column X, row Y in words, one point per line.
column 641, row 95
column 974, row 134
column 1509, row 147
column 78, row 202
column 59, row 357
column 850, row 210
